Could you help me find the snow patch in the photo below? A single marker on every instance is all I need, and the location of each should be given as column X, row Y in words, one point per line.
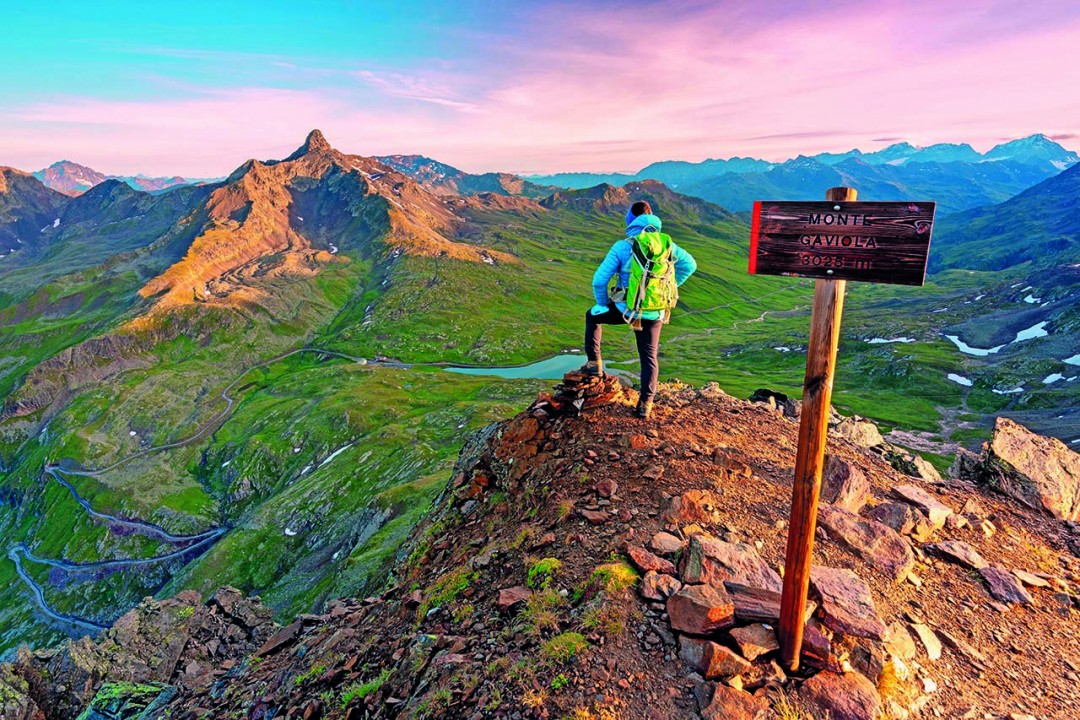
column 132, row 433
column 968, row 350
column 1051, row 379
column 289, row 532
column 334, row 454
column 1031, row 299
column 782, row 348
column 1035, row 331
column 56, row 223
column 1014, row 391
column 879, row 341
column 959, row 379
column 1074, row 360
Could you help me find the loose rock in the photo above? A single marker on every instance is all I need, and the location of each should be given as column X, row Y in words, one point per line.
column 846, row 602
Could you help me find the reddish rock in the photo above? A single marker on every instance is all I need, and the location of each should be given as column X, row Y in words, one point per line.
column 727, row 703
column 901, row 517
column 936, row 511
column 843, row 484
column 1004, row 586
column 817, row 650
column 1041, row 472
column 755, row 640
column 846, row 602
column 712, row 561
column 509, row 597
column 960, row 552
column 658, row 586
column 646, row 561
column 666, row 543
column 693, row 506
column 282, row 637
column 607, row 487
column 596, row 517
column 700, row 609
column 877, row 544
column 639, row 442
column 710, row 659
column 759, row 605
column 899, row 643
column 929, row 639
column 847, row 696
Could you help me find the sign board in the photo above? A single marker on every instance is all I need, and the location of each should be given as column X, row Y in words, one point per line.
column 880, row 242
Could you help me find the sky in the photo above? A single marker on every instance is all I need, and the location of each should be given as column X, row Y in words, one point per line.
column 198, row 87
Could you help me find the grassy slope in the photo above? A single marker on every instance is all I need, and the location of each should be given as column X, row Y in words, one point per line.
column 407, row 425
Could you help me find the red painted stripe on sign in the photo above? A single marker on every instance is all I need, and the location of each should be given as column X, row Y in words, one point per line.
column 755, row 228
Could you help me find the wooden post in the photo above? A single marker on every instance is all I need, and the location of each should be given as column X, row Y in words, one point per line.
column 813, row 431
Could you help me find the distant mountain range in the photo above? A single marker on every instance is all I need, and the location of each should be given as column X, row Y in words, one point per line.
column 73, row 179
column 954, row 175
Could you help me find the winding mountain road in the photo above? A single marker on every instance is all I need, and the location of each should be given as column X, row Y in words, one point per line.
column 197, row 542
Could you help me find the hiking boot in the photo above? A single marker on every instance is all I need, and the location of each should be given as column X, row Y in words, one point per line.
column 595, row 368
column 644, row 409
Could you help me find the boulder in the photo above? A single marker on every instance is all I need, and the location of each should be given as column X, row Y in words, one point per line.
column 1041, row 472
column 1004, row 586
column 711, row 659
column 666, row 543
column 700, row 609
column 646, row 561
column 929, row 639
column 843, row 484
column 879, row 545
column 901, row 517
column 693, row 506
column 509, row 597
column 846, row 696
column 935, row 510
column 712, row 561
column 129, row 701
column 755, row 640
column 15, row 700
column 846, row 604
column 898, row 641
column 858, row 431
column 959, row 552
column 728, row 703
column 659, row 586
column 754, row 604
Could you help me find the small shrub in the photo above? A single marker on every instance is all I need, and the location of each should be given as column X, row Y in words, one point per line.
column 564, row 647
column 541, row 572
column 541, row 611
column 614, row 577
column 787, row 709
column 445, row 589
column 359, row 691
column 559, row 682
column 534, row 699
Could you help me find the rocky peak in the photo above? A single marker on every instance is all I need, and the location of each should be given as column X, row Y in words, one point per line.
column 315, row 143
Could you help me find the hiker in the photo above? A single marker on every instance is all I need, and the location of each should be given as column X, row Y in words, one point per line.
column 649, row 268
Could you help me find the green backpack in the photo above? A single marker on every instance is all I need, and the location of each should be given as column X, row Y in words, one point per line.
column 652, row 285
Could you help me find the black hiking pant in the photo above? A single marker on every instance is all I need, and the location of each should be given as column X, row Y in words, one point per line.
column 648, row 344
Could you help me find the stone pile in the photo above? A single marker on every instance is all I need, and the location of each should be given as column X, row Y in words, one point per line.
column 722, row 600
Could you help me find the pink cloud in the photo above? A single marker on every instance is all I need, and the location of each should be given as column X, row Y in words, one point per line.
column 594, row 90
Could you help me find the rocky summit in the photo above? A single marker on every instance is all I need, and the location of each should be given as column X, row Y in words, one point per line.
column 584, row 563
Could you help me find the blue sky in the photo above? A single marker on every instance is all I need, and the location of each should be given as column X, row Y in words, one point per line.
column 196, row 88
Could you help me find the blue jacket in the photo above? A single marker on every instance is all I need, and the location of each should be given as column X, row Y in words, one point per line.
column 618, row 262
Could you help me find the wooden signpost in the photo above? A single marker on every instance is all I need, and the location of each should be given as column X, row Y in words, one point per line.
column 833, row 241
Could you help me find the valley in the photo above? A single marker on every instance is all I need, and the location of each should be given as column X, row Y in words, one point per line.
column 185, row 404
